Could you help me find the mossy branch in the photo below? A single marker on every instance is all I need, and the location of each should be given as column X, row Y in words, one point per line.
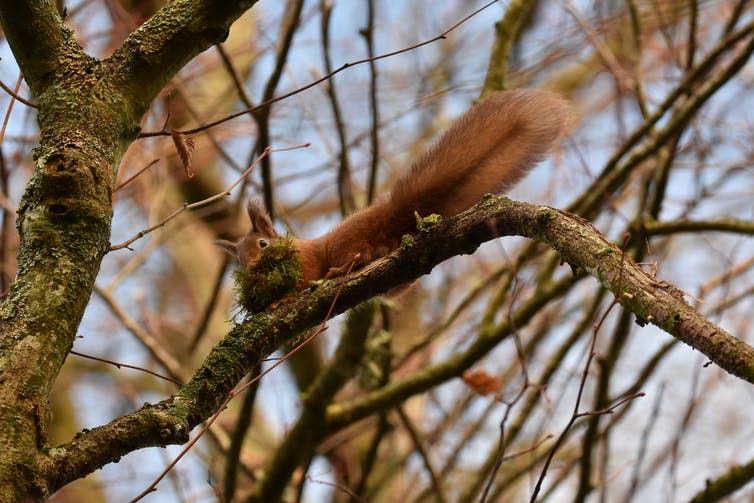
column 507, row 32
column 732, row 480
column 654, row 228
column 36, row 35
column 158, row 49
column 578, row 242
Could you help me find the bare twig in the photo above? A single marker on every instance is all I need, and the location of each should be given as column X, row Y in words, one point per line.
column 210, row 306
column 234, row 76
column 622, row 78
column 341, row 487
column 438, row 492
column 133, row 177
column 243, row 422
column 156, row 349
column 126, row 365
column 14, row 94
column 10, row 108
column 203, row 202
column 345, row 190
column 318, row 81
column 646, row 435
column 509, row 406
column 576, row 414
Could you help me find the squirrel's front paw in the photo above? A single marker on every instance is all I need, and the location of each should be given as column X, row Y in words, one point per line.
column 356, row 262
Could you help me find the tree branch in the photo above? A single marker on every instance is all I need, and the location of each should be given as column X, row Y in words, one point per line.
column 157, row 50
column 35, row 33
column 578, row 242
column 732, row 480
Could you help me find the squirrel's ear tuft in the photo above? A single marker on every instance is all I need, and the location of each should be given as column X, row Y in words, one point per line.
column 260, row 221
column 228, row 246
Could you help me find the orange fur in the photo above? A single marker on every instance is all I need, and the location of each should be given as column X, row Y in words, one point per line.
column 488, row 149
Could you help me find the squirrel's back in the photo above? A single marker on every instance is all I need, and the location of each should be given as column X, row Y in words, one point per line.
column 490, row 148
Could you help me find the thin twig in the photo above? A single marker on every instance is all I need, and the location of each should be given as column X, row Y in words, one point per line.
column 203, row 202
column 646, row 436
column 439, row 493
column 622, row 78
column 15, row 95
column 345, row 192
column 341, row 487
column 576, row 414
column 233, row 454
column 126, row 365
column 318, row 81
column 10, row 107
column 234, row 76
column 151, row 343
column 133, row 177
column 288, row 28
column 508, row 408
column 210, row 306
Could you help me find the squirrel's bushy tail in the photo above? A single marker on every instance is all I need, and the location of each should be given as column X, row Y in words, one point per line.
column 490, row 148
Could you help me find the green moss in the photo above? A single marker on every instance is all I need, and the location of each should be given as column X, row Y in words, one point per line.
column 277, row 273
column 429, row 223
column 407, row 242
column 545, row 214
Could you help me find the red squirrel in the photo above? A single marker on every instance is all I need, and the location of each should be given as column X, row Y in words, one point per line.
column 488, row 149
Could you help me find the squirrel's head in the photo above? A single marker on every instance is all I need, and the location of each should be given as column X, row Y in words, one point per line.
column 265, row 278
column 249, row 248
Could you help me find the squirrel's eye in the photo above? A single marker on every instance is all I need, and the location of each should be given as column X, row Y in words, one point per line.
column 263, row 243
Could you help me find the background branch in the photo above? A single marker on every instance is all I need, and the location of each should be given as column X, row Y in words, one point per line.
column 153, row 54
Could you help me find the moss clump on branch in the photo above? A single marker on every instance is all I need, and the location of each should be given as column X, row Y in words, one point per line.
column 277, row 273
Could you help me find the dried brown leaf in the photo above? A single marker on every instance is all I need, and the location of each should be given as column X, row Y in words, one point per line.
column 481, row 382
column 185, row 146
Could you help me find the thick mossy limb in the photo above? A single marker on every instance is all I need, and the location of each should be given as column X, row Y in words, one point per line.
column 277, row 273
